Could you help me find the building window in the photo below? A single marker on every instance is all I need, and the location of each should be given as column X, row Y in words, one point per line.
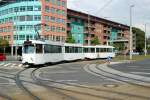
column 15, row 37
column 37, row 8
column 53, row 29
column 47, row 9
column 21, row 37
column 22, row 28
column 22, row 8
column 29, row 18
column 47, row 18
column 16, row 9
column 22, row 18
column 53, row 2
column 29, row 27
column 29, row 8
column 63, row 3
column 53, row 19
column 37, row 17
column 53, row 10
column 58, row 3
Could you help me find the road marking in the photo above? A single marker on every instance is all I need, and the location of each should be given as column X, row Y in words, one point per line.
column 13, row 65
column 66, row 80
column 20, row 65
column 133, row 66
column 60, row 72
column 7, row 64
column 140, row 73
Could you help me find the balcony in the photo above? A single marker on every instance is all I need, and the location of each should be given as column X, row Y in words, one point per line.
column 90, row 26
column 120, row 39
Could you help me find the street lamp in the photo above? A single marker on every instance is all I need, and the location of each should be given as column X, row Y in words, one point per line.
column 131, row 44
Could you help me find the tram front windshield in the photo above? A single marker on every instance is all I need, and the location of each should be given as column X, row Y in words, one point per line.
column 29, row 49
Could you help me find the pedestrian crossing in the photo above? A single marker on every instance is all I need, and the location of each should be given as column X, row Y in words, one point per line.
column 10, row 65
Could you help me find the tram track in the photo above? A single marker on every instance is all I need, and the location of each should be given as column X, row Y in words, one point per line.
column 124, row 81
column 120, row 78
column 5, row 96
column 86, row 87
column 21, row 86
column 18, row 80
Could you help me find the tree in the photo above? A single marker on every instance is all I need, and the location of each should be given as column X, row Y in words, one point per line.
column 70, row 39
column 148, row 43
column 95, row 41
column 3, row 44
column 119, row 46
column 140, row 39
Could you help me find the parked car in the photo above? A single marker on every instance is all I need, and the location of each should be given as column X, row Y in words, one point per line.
column 2, row 57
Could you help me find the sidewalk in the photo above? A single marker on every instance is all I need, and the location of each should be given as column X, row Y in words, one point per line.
column 13, row 58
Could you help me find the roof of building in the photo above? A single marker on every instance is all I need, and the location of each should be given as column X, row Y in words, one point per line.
column 95, row 18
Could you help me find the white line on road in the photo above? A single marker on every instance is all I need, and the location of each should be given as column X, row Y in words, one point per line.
column 140, row 73
column 133, row 66
column 20, row 65
column 60, row 72
column 66, row 80
column 7, row 64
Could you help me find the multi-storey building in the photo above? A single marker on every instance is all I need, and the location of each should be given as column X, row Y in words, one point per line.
column 85, row 27
column 20, row 18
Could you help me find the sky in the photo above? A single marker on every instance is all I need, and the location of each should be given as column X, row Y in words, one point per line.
column 116, row 10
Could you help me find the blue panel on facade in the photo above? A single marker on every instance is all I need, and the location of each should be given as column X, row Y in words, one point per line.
column 77, row 30
column 113, row 34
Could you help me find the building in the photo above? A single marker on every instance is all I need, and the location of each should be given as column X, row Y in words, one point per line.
column 26, row 19
column 22, row 19
column 85, row 27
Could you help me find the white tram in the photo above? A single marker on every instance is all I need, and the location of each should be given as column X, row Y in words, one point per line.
column 38, row 52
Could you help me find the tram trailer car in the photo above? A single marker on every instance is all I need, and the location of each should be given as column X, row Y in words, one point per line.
column 37, row 52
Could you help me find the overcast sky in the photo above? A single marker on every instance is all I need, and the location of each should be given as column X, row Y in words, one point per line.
column 116, row 10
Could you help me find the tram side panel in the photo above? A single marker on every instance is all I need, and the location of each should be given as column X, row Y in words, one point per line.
column 73, row 53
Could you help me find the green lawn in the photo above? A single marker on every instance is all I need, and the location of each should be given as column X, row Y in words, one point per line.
column 135, row 57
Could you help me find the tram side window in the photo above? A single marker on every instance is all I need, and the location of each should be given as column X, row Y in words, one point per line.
column 110, row 49
column 85, row 50
column 76, row 49
column 56, row 49
column 52, row 49
column 39, row 48
column 71, row 49
column 66, row 49
column 103, row 50
column 29, row 49
column 97, row 50
column 79, row 50
column 47, row 49
column 92, row 50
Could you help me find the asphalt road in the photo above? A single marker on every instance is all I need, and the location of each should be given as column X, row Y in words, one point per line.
column 73, row 73
column 15, row 80
column 141, row 68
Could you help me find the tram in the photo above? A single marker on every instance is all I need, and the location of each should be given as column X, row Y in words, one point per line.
column 37, row 52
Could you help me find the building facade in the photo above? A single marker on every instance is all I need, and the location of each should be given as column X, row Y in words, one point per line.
column 84, row 28
column 22, row 19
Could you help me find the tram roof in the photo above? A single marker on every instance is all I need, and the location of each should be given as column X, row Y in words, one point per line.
column 100, row 46
column 104, row 46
